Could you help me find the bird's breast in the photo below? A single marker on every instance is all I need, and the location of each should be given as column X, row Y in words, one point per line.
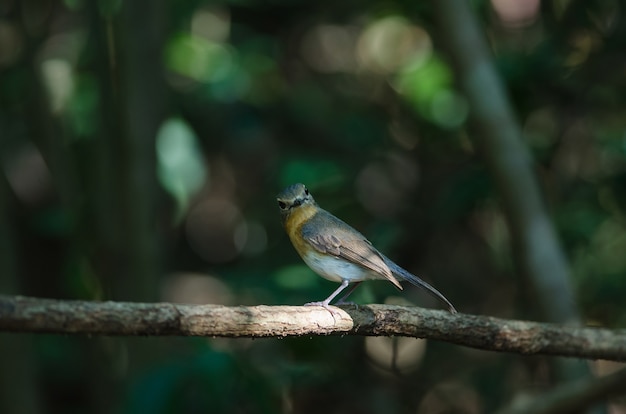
column 335, row 268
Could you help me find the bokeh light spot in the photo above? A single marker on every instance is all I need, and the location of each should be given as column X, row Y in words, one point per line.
column 330, row 48
column 396, row 354
column 181, row 167
column 389, row 43
column 211, row 24
column 211, row 227
column 199, row 59
column 59, row 82
column 516, row 13
column 250, row 237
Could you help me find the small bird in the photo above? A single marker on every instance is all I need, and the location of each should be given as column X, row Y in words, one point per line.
column 336, row 251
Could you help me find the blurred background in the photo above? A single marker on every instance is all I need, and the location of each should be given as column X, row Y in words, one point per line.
column 142, row 145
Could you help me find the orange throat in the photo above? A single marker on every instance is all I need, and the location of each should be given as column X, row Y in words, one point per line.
column 294, row 223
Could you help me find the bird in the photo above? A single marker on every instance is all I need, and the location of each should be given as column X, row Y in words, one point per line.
column 335, row 250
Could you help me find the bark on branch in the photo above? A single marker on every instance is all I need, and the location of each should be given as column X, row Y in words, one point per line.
column 24, row 314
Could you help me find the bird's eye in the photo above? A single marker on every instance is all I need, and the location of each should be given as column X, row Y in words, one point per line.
column 306, row 191
column 282, row 205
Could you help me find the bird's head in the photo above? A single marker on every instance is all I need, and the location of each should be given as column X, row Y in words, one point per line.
column 291, row 198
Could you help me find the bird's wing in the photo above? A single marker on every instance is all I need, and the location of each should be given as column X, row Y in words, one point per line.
column 327, row 234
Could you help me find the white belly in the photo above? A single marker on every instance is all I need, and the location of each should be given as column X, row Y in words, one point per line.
column 337, row 269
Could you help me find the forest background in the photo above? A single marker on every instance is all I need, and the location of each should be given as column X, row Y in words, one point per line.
column 142, row 145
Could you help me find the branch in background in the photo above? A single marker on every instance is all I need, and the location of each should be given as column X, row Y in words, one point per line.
column 23, row 314
column 536, row 247
column 142, row 31
column 572, row 397
column 499, row 139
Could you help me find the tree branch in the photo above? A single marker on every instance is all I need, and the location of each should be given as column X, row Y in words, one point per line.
column 572, row 397
column 23, row 314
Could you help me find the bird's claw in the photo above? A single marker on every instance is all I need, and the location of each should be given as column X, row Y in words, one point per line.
column 325, row 305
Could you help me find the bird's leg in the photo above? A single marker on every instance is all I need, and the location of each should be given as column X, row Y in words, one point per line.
column 326, row 302
column 342, row 301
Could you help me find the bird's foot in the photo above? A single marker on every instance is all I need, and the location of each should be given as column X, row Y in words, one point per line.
column 325, row 305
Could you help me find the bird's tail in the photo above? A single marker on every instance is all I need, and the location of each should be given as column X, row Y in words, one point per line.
column 409, row 277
